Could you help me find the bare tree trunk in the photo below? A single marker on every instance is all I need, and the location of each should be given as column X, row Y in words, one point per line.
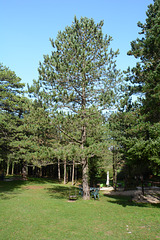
column 114, row 170
column 85, row 180
column 65, row 171
column 86, row 191
column 76, row 173
column 8, row 164
column 40, row 171
column 12, row 168
column 59, row 170
column 73, row 174
column 24, row 172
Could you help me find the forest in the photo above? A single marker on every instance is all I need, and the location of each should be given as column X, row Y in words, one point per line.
column 83, row 116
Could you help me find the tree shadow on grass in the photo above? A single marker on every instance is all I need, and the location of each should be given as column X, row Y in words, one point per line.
column 41, row 180
column 125, row 201
column 12, row 186
column 62, row 192
column 9, row 189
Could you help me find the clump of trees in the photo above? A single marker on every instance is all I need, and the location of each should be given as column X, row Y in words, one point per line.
column 62, row 121
column 136, row 126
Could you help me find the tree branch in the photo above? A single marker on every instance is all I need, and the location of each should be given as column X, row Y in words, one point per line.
column 72, row 138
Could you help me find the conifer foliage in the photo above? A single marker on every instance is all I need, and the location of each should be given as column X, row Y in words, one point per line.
column 80, row 73
column 146, row 75
column 137, row 126
column 11, row 109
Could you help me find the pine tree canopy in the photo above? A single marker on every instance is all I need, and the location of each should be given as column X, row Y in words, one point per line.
column 81, row 70
column 146, row 75
column 80, row 77
column 11, row 91
column 12, row 107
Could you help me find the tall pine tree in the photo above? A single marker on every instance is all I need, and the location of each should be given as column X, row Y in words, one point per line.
column 80, row 73
column 146, row 75
column 146, row 79
column 12, row 107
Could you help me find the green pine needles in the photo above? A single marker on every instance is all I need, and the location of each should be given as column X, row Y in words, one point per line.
column 80, row 76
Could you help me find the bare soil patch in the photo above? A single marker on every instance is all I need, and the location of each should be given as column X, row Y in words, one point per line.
column 72, row 201
column 150, row 195
column 33, row 187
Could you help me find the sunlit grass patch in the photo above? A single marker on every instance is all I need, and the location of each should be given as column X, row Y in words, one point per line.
column 40, row 210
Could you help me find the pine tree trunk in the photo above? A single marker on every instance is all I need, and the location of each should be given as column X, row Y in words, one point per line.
column 65, row 171
column 76, row 173
column 8, row 164
column 86, row 191
column 24, row 172
column 73, row 174
column 114, row 171
column 40, row 172
column 70, row 173
column 59, row 170
column 12, row 168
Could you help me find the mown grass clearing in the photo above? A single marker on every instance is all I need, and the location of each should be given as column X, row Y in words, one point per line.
column 39, row 209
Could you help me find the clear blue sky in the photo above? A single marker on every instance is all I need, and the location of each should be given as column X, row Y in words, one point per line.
column 27, row 25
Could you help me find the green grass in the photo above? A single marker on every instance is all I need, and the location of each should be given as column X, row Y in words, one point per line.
column 39, row 210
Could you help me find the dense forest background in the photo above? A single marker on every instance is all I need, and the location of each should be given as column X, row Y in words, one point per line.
column 83, row 116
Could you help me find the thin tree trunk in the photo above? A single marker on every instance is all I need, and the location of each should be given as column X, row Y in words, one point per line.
column 65, row 171
column 24, row 172
column 86, row 191
column 73, row 174
column 114, row 171
column 8, row 164
column 59, row 170
column 40, row 172
column 12, row 168
column 85, row 180
column 70, row 173
column 115, row 178
column 76, row 173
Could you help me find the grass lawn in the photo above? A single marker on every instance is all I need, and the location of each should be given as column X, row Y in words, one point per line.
column 39, row 210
